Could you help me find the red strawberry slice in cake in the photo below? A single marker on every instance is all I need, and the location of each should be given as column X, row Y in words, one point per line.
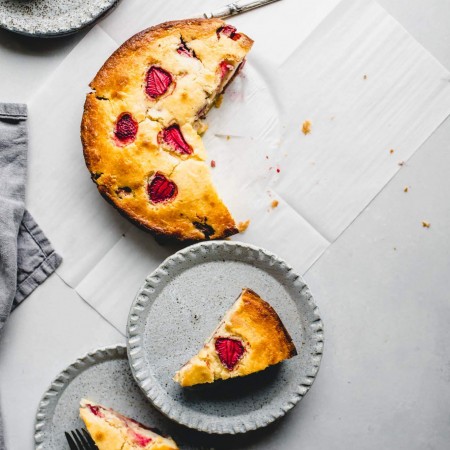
column 158, row 82
column 126, row 129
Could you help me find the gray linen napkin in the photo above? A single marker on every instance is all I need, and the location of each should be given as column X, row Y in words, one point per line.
column 26, row 256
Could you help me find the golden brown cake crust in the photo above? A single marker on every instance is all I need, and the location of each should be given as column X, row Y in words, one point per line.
column 197, row 27
column 196, row 213
column 266, row 324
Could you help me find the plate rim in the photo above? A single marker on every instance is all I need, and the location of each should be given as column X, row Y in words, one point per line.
column 62, row 380
column 147, row 382
column 104, row 7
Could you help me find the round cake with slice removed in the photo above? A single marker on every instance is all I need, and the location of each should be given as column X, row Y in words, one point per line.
column 142, row 125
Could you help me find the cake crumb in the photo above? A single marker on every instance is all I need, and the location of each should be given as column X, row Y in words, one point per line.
column 391, row 151
column 306, row 127
column 218, row 101
column 365, row 77
column 401, row 163
column 426, row 224
column 242, row 226
column 274, row 204
column 278, row 170
column 267, row 157
column 201, row 127
column 406, row 189
column 213, row 164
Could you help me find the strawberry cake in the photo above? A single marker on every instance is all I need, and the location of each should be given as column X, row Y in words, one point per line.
column 143, row 121
column 113, row 431
column 250, row 338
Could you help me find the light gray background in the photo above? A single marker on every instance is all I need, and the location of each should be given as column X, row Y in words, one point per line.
column 383, row 289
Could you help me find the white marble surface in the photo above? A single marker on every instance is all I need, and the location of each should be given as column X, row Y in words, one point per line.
column 382, row 288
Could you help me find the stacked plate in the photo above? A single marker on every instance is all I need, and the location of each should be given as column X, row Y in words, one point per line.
column 48, row 18
column 177, row 307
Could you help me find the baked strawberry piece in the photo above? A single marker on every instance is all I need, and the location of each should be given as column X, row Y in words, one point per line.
column 126, row 129
column 143, row 122
column 158, row 82
column 111, row 430
column 250, row 338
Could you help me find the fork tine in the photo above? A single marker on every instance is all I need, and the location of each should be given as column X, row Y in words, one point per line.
column 76, row 438
column 86, row 443
column 82, row 439
column 72, row 444
column 89, row 439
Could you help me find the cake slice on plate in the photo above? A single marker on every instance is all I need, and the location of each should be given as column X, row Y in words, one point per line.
column 250, row 338
column 113, row 431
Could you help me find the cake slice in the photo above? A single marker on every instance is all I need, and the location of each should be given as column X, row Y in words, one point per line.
column 250, row 338
column 113, row 431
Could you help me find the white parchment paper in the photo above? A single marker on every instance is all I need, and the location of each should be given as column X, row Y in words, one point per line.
column 372, row 94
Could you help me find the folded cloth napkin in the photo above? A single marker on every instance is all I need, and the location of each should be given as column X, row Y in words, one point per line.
column 26, row 256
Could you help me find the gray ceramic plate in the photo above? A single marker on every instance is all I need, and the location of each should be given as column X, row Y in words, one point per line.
column 103, row 376
column 179, row 306
column 46, row 18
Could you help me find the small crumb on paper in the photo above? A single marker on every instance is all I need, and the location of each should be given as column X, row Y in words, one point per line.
column 306, row 127
column 395, row 248
column 242, row 226
column 278, row 170
column 426, row 224
column 401, row 163
column 391, row 151
column 406, row 189
column 228, row 137
column 365, row 77
column 274, row 204
column 213, row 164
column 218, row 101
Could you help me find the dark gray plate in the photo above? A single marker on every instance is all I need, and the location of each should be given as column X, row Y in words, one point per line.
column 103, row 376
column 179, row 306
column 47, row 18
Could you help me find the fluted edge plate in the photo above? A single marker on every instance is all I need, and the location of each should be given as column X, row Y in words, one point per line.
column 51, row 18
column 160, row 320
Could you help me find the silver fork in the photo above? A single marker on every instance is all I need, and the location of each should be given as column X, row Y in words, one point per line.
column 80, row 440
column 235, row 8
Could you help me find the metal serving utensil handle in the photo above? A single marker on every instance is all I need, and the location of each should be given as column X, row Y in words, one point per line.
column 235, row 8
